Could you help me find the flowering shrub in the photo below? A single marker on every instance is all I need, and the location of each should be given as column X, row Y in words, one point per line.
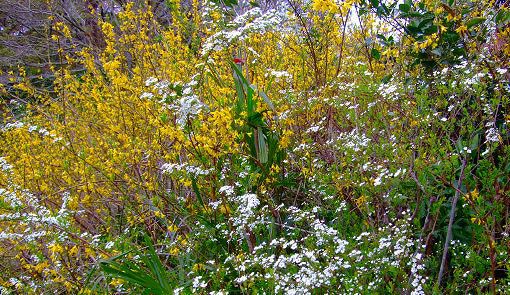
column 311, row 147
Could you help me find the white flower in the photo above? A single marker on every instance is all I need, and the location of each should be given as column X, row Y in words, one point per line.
column 313, row 129
column 250, row 201
column 146, row 95
column 198, row 283
column 280, row 74
column 501, row 71
column 14, row 125
column 4, row 165
column 241, row 279
column 492, row 135
column 227, row 189
column 252, row 21
column 187, row 107
column 150, row 81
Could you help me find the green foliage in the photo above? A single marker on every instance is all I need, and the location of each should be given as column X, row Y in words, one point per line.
column 148, row 274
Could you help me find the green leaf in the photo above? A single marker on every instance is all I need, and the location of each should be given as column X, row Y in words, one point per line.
column 376, row 54
column 228, row 3
column 262, row 146
column 267, row 100
column 475, row 141
column 474, row 21
column 362, row 11
column 437, row 51
column 155, row 265
column 386, row 78
column 430, row 30
column 197, row 191
column 149, row 274
column 130, row 273
column 164, row 117
column 381, row 37
column 404, row 7
column 242, row 85
column 214, row 75
column 231, row 3
column 502, row 17
column 264, row 96
column 426, row 21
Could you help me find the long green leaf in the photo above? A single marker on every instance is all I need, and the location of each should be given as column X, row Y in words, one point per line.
column 262, row 146
column 247, row 92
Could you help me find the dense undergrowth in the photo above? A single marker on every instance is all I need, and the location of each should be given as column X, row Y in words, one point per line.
column 315, row 147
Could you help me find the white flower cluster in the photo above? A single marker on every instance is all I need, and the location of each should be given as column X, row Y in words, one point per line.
column 25, row 208
column 383, row 173
column 280, row 76
column 491, row 134
column 4, row 165
column 310, row 254
column 252, row 21
column 227, row 190
column 389, row 91
column 417, row 279
column 245, row 216
column 170, row 168
column 186, row 108
column 198, row 283
column 353, row 140
column 13, row 125
column 175, row 96
column 34, row 217
column 31, row 129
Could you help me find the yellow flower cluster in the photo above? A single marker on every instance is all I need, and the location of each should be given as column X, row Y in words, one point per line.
column 325, row 6
column 430, row 42
column 216, row 136
column 333, row 6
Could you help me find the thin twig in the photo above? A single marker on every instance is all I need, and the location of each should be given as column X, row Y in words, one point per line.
column 450, row 223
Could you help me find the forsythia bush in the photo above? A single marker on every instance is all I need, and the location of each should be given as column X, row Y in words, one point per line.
column 309, row 147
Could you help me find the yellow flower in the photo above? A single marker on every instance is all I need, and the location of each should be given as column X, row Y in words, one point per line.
column 74, row 250
column 461, row 30
column 172, row 227
column 56, row 248
column 41, row 266
column 224, row 209
column 472, row 196
column 182, row 240
column 360, row 201
column 325, row 6
column 174, row 251
column 451, row 17
column 198, row 266
column 285, row 139
column 475, row 193
column 159, row 214
column 116, row 282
